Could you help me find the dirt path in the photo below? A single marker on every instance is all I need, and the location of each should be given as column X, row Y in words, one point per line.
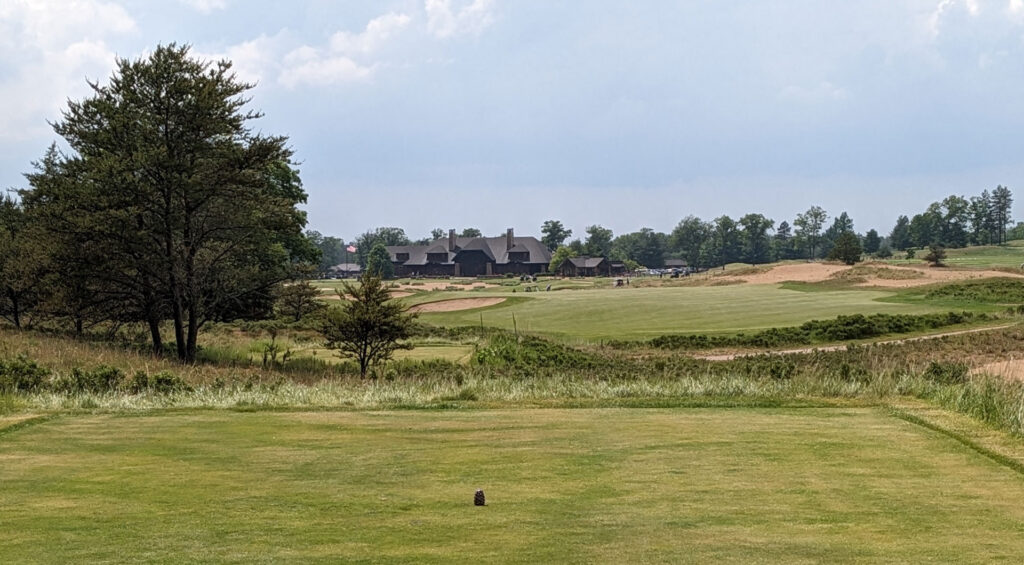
column 731, row 356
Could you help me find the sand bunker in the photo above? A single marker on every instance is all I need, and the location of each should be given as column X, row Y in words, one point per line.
column 443, row 285
column 889, row 276
column 806, row 272
column 457, row 304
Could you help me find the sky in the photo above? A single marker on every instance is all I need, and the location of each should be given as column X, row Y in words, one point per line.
column 506, row 113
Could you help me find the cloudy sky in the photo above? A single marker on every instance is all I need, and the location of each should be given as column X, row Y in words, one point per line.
column 505, row 113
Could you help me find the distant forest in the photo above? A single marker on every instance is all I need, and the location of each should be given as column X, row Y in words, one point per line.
column 953, row 222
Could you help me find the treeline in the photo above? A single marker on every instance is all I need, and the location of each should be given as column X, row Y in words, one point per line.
column 168, row 208
column 753, row 238
column 957, row 222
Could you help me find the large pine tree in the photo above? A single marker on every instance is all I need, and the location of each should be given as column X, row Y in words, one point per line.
column 182, row 210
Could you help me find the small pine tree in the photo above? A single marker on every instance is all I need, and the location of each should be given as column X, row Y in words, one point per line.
column 936, row 255
column 368, row 327
column 297, row 300
column 378, row 262
column 847, row 249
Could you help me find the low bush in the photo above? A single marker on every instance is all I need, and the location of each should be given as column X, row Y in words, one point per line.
column 507, row 350
column 21, row 374
column 946, row 373
column 842, row 328
column 99, row 380
column 1002, row 290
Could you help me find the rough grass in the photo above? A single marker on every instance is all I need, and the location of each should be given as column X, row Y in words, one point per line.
column 609, row 485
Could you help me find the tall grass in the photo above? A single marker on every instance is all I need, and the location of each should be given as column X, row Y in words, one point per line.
column 510, row 370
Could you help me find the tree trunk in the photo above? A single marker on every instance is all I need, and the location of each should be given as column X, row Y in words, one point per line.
column 15, row 311
column 154, row 332
column 193, row 335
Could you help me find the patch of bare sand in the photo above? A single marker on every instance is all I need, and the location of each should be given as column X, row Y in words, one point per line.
column 1011, row 369
column 456, row 304
column 933, row 275
column 798, row 272
column 888, row 276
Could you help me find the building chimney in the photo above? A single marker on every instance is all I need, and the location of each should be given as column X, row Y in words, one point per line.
column 510, row 239
column 451, row 240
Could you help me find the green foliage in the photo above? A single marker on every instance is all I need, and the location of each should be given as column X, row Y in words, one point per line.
column 297, row 300
column 169, row 205
column 23, row 262
column 378, row 262
column 561, row 255
column 471, row 232
column 936, row 254
column 21, row 374
column 808, row 229
column 872, row 242
column 947, row 373
column 99, row 380
column 384, row 236
column 1001, row 290
column 846, row 249
column 842, row 328
column 507, row 350
column 899, row 238
column 756, row 244
column 646, row 247
column 370, row 326
column 599, row 242
column 554, row 234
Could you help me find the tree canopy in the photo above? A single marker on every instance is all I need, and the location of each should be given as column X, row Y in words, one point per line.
column 369, row 326
column 169, row 204
column 555, row 234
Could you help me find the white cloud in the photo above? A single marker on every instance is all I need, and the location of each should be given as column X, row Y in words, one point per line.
column 348, row 57
column 444, row 22
column 47, row 50
column 376, row 34
column 303, row 68
column 205, row 6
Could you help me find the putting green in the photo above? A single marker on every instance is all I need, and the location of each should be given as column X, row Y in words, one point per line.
column 603, row 485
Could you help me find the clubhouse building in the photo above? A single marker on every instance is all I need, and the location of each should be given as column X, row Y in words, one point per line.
column 471, row 256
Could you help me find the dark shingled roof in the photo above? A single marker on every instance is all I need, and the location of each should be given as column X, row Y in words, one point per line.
column 493, row 247
column 586, row 262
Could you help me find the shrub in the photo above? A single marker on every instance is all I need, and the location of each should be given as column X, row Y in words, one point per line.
column 21, row 374
column 506, row 350
column 99, row 380
column 946, row 373
column 163, row 382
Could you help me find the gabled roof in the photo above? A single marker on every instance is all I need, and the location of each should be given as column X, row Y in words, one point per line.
column 478, row 244
column 586, row 262
column 494, row 248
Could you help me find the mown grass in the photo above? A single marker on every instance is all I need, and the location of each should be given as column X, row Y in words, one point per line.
column 640, row 313
column 606, row 485
column 1010, row 256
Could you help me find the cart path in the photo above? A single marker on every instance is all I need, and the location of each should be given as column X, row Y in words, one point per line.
column 731, row 356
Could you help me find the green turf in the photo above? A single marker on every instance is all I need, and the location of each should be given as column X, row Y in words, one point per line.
column 806, row 485
column 637, row 313
column 977, row 257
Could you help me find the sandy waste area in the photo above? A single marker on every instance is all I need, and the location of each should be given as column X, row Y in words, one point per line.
column 904, row 277
column 456, row 304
